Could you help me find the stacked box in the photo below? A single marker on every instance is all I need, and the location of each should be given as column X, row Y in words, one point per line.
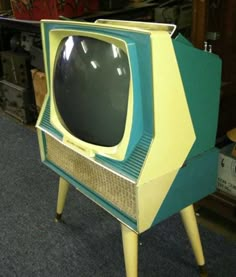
column 17, row 101
column 16, row 68
column 16, row 90
column 227, row 170
column 46, row 9
column 40, row 87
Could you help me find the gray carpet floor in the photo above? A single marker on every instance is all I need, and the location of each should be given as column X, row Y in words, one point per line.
column 88, row 244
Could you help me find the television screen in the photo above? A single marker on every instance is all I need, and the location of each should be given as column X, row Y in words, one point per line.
column 91, row 86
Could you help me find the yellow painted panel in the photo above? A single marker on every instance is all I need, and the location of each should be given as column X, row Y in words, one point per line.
column 173, row 131
column 150, row 197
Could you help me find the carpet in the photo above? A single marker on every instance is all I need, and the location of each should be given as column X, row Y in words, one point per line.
column 89, row 243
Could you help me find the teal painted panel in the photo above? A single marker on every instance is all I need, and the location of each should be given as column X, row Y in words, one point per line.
column 132, row 166
column 201, row 76
column 194, row 181
column 183, row 40
column 46, row 124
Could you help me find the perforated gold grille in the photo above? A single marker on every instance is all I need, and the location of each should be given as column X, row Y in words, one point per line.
column 117, row 190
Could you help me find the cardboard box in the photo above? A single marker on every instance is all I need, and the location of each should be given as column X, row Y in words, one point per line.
column 40, row 87
column 227, row 170
column 46, row 9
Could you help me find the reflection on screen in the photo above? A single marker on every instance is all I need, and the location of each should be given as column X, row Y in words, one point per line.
column 91, row 86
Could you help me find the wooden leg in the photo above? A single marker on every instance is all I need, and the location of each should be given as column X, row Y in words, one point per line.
column 130, row 248
column 190, row 224
column 61, row 199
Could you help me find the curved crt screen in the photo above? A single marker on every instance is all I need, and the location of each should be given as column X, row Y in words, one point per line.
column 91, row 87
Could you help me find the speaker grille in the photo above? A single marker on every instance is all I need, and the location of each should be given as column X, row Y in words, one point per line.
column 112, row 187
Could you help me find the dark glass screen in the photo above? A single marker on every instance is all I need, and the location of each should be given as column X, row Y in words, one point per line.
column 91, row 85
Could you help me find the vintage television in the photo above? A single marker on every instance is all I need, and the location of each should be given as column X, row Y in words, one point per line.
column 130, row 120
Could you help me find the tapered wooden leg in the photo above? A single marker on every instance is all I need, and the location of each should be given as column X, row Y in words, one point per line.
column 130, row 248
column 61, row 199
column 190, row 224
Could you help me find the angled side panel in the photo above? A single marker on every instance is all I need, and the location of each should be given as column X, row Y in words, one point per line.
column 201, row 76
column 195, row 180
column 174, row 133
